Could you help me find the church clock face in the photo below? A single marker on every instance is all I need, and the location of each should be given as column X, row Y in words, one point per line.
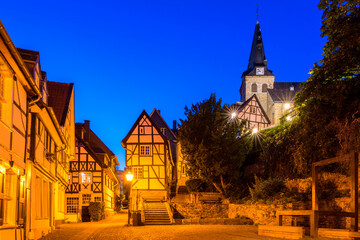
column 259, row 71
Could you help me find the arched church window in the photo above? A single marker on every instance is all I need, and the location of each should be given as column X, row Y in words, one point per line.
column 264, row 87
column 254, row 87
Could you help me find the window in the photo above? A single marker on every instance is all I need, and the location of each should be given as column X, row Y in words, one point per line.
column 38, row 207
column 254, row 87
column 2, row 96
column 2, row 197
column 97, row 199
column 85, row 177
column 86, row 198
column 252, row 109
column 145, row 150
column 264, row 87
column 45, row 196
column 141, row 130
column 163, row 131
column 138, row 173
column 72, row 205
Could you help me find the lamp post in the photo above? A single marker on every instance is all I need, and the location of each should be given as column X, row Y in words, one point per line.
column 129, row 177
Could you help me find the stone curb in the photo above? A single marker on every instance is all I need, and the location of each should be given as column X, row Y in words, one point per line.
column 219, row 221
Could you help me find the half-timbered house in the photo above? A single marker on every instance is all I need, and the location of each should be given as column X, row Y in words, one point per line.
column 149, row 158
column 17, row 92
column 61, row 99
column 252, row 112
column 92, row 175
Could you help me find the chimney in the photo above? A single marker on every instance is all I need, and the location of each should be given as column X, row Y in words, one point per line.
column 174, row 125
column 87, row 130
column 159, row 111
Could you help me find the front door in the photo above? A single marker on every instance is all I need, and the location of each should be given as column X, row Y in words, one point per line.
column 85, row 214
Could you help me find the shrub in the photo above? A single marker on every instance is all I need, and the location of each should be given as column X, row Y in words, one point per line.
column 119, row 202
column 96, row 210
column 266, row 189
column 196, row 185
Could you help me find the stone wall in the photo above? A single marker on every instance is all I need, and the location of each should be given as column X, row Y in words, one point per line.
column 199, row 210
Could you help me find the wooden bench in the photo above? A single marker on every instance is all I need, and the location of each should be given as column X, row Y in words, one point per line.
column 281, row 231
column 337, row 233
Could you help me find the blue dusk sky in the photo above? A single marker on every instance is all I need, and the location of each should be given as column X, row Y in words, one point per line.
column 126, row 56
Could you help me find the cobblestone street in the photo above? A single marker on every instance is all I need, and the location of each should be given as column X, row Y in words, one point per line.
column 116, row 228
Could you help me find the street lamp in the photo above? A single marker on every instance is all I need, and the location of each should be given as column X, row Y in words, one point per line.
column 255, row 130
column 287, row 106
column 233, row 114
column 129, row 177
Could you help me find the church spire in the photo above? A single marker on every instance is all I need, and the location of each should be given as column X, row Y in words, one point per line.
column 257, row 54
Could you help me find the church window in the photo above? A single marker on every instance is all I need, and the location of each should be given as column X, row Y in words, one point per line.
column 254, row 87
column 264, row 87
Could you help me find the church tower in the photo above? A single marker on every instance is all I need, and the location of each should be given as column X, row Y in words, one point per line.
column 257, row 78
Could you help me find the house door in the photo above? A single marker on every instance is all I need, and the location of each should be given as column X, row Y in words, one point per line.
column 85, row 214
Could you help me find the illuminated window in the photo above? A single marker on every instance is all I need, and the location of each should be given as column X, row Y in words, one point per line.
column 2, row 95
column 97, row 199
column 163, row 130
column 86, row 198
column 145, row 150
column 254, row 87
column 85, row 177
column 138, row 173
column 72, row 205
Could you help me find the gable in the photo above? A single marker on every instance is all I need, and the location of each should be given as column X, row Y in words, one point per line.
column 253, row 113
column 160, row 123
column 145, row 131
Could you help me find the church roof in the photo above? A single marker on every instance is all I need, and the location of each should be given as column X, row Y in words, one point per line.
column 257, row 54
column 284, row 91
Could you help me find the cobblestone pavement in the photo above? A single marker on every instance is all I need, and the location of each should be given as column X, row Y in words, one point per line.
column 116, row 228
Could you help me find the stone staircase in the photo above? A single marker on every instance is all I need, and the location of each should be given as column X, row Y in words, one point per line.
column 157, row 213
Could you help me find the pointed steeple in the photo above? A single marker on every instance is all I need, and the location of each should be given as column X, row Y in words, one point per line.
column 257, row 54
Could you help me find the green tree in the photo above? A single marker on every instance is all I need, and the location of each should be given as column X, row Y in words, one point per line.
column 330, row 98
column 213, row 144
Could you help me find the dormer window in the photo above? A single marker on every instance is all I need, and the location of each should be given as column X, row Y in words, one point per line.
column 292, row 88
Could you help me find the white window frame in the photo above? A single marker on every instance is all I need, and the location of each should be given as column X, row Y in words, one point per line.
column 163, row 131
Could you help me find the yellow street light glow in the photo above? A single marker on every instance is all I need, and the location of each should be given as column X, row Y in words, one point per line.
column 287, row 106
column 288, row 118
column 233, row 115
column 2, row 169
column 255, row 130
column 129, row 176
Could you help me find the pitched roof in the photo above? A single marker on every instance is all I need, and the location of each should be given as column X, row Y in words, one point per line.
column 257, row 54
column 160, row 122
column 244, row 104
column 29, row 57
column 94, row 142
column 143, row 113
column 59, row 99
column 284, row 91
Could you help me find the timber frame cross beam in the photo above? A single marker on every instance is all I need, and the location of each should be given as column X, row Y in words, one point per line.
column 314, row 214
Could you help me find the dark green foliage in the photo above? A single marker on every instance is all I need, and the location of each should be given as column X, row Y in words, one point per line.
column 213, row 145
column 266, row 189
column 119, row 202
column 196, row 185
column 96, row 210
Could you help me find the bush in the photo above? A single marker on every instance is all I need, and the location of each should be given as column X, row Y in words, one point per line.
column 119, row 202
column 266, row 189
column 96, row 210
column 196, row 185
